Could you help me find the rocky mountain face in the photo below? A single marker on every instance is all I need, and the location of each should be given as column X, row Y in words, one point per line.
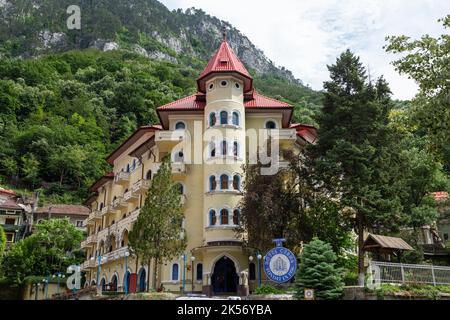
column 34, row 27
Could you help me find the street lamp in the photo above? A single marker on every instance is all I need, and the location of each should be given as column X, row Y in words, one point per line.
column 259, row 256
column 192, row 259
column 37, row 284
column 59, row 276
column 45, row 282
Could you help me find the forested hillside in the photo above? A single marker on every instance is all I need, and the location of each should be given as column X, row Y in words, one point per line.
column 69, row 97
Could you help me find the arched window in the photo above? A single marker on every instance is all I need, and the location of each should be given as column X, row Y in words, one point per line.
column 128, row 167
column 134, row 164
column 252, row 271
column 271, row 125
column 223, row 117
column 212, row 183
column 212, row 150
column 224, row 148
column 179, row 156
column 180, row 126
column 236, row 217
column 212, row 119
column 224, row 217
column 235, row 148
column 101, row 206
column 148, row 176
column 212, row 218
column 199, row 271
column 235, row 118
column 175, row 272
column 224, row 182
column 236, row 182
column 180, row 188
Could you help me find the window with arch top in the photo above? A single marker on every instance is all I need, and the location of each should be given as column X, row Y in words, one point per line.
column 271, row 124
column 199, row 275
column 212, row 218
column 212, row 183
column 212, row 150
column 224, row 217
column 175, row 272
column 148, row 176
column 236, row 182
column 224, row 117
column 235, row 149
column 212, row 119
column 224, row 182
column 235, row 118
column 236, row 217
column 180, row 126
column 224, row 148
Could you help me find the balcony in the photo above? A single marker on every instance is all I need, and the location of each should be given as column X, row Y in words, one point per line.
column 166, row 140
column 100, row 213
column 179, row 168
column 127, row 221
column 90, row 241
column 90, row 219
column 122, row 178
column 115, row 255
column 89, row 264
column 130, row 197
column 141, row 187
column 119, row 203
column 284, row 136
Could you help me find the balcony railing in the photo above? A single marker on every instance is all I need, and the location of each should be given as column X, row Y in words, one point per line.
column 130, row 196
column 115, row 255
column 119, row 203
column 283, row 134
column 127, row 221
column 88, row 264
column 122, row 177
column 170, row 136
column 90, row 240
column 141, row 186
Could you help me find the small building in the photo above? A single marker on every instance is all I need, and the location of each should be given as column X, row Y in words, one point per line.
column 76, row 214
column 12, row 216
column 386, row 248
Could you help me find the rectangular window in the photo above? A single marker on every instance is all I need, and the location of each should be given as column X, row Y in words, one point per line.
column 79, row 223
column 9, row 237
column 10, row 221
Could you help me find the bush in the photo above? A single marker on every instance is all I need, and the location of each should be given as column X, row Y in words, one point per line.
column 318, row 271
column 351, row 278
column 267, row 289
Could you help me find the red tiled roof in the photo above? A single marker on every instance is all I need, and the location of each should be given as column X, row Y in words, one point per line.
column 67, row 209
column 97, row 184
column 6, row 191
column 195, row 102
column 132, row 139
column 10, row 203
column 224, row 61
column 305, row 131
column 440, row 196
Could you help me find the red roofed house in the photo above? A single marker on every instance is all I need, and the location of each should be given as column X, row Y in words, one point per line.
column 12, row 216
column 209, row 136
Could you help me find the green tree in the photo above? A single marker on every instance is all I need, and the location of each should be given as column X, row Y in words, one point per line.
column 51, row 249
column 353, row 158
column 158, row 233
column 2, row 242
column 318, row 271
column 426, row 61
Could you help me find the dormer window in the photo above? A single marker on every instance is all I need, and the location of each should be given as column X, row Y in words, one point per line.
column 224, row 83
column 237, row 85
column 211, row 87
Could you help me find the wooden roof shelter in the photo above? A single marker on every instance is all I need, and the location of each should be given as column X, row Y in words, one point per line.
column 384, row 246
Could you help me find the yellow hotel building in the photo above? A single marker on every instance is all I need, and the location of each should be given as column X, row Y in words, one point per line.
column 209, row 135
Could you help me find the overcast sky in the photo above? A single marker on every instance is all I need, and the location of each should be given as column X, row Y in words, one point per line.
column 306, row 35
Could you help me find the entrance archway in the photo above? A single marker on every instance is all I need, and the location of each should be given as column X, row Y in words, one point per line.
column 114, row 281
column 224, row 279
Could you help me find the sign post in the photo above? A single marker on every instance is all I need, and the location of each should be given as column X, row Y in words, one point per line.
column 280, row 264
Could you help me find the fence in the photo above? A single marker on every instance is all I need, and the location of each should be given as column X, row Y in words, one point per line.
column 385, row 272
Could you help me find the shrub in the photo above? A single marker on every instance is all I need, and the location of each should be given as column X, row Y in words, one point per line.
column 318, row 271
column 267, row 289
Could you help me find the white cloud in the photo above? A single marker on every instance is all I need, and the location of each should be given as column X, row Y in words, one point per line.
column 305, row 36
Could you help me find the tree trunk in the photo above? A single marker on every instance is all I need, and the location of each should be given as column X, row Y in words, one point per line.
column 155, row 271
column 148, row 275
column 360, row 228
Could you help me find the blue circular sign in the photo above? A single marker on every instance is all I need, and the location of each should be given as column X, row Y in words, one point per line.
column 280, row 264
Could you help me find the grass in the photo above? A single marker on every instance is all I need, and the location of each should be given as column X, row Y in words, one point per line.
column 432, row 292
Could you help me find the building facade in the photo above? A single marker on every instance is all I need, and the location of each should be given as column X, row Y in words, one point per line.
column 76, row 214
column 210, row 136
column 12, row 216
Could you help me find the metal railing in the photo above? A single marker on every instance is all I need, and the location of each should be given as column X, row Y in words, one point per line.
column 386, row 272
